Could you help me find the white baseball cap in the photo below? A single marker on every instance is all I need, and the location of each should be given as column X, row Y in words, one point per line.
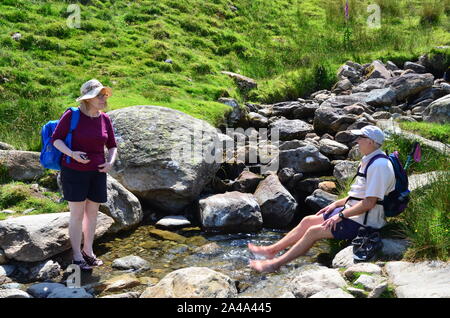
column 370, row 131
column 91, row 89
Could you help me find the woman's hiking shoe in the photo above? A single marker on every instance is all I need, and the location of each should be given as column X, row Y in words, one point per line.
column 92, row 261
column 84, row 266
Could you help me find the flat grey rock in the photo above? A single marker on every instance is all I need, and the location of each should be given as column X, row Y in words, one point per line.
column 420, row 280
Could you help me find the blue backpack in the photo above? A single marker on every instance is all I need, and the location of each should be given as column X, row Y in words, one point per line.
column 396, row 201
column 50, row 157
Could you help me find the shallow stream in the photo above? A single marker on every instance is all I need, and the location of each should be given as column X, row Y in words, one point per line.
column 169, row 251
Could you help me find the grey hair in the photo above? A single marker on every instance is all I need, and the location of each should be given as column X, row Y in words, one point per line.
column 84, row 105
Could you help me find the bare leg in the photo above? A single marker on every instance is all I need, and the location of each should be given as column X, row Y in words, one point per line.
column 89, row 224
column 75, row 228
column 290, row 239
column 312, row 235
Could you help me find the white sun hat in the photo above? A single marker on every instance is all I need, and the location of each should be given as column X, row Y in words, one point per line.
column 92, row 88
column 370, row 131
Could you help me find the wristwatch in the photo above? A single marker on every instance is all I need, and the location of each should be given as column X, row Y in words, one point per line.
column 341, row 215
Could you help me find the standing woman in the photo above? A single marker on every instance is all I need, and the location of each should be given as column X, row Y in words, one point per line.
column 84, row 177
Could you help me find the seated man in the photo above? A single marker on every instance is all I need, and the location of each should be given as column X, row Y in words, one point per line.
column 341, row 219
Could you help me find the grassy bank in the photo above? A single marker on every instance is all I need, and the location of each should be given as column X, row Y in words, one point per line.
column 432, row 131
column 291, row 47
column 427, row 221
column 20, row 197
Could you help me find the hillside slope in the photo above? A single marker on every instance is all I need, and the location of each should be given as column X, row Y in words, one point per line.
column 291, row 47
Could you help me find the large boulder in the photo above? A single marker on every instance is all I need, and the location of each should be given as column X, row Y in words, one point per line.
column 21, row 165
column 344, row 171
column 230, row 212
column 292, row 129
column 381, row 97
column 304, row 159
column 35, row 238
column 305, row 110
column 165, row 157
column 193, row 282
column 276, row 203
column 331, row 120
column 367, row 86
column 341, row 101
column 244, row 83
column 5, row 146
column 436, row 61
column 331, row 147
column 409, row 84
column 438, row 111
column 238, row 115
column 350, row 70
column 378, row 70
column 247, row 182
column 417, row 68
column 257, row 120
column 320, row 199
column 122, row 206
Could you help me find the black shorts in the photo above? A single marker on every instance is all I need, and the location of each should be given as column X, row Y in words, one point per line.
column 346, row 229
column 81, row 185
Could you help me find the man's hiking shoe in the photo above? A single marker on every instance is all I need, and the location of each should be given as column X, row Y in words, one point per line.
column 83, row 265
column 366, row 244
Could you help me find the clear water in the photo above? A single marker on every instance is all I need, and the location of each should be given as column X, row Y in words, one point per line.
column 230, row 258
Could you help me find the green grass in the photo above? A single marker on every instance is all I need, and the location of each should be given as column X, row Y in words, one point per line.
column 432, row 160
column 433, row 131
column 291, row 47
column 19, row 196
column 426, row 221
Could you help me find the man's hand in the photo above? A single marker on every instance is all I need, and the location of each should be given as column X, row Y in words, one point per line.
column 327, row 209
column 106, row 167
column 331, row 222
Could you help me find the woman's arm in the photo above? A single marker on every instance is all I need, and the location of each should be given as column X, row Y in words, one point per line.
column 112, row 154
column 61, row 146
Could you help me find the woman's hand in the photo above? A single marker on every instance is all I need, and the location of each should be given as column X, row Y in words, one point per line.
column 77, row 156
column 327, row 209
column 105, row 167
column 331, row 222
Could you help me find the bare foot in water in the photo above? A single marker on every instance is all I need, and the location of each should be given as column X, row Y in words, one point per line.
column 261, row 251
column 263, row 266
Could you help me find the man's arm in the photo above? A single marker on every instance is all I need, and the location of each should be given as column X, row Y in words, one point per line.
column 332, row 206
column 362, row 206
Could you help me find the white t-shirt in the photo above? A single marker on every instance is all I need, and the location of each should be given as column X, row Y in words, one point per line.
column 379, row 182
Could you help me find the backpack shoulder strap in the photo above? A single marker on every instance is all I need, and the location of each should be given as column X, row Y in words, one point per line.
column 75, row 118
column 364, row 174
column 371, row 161
column 73, row 124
